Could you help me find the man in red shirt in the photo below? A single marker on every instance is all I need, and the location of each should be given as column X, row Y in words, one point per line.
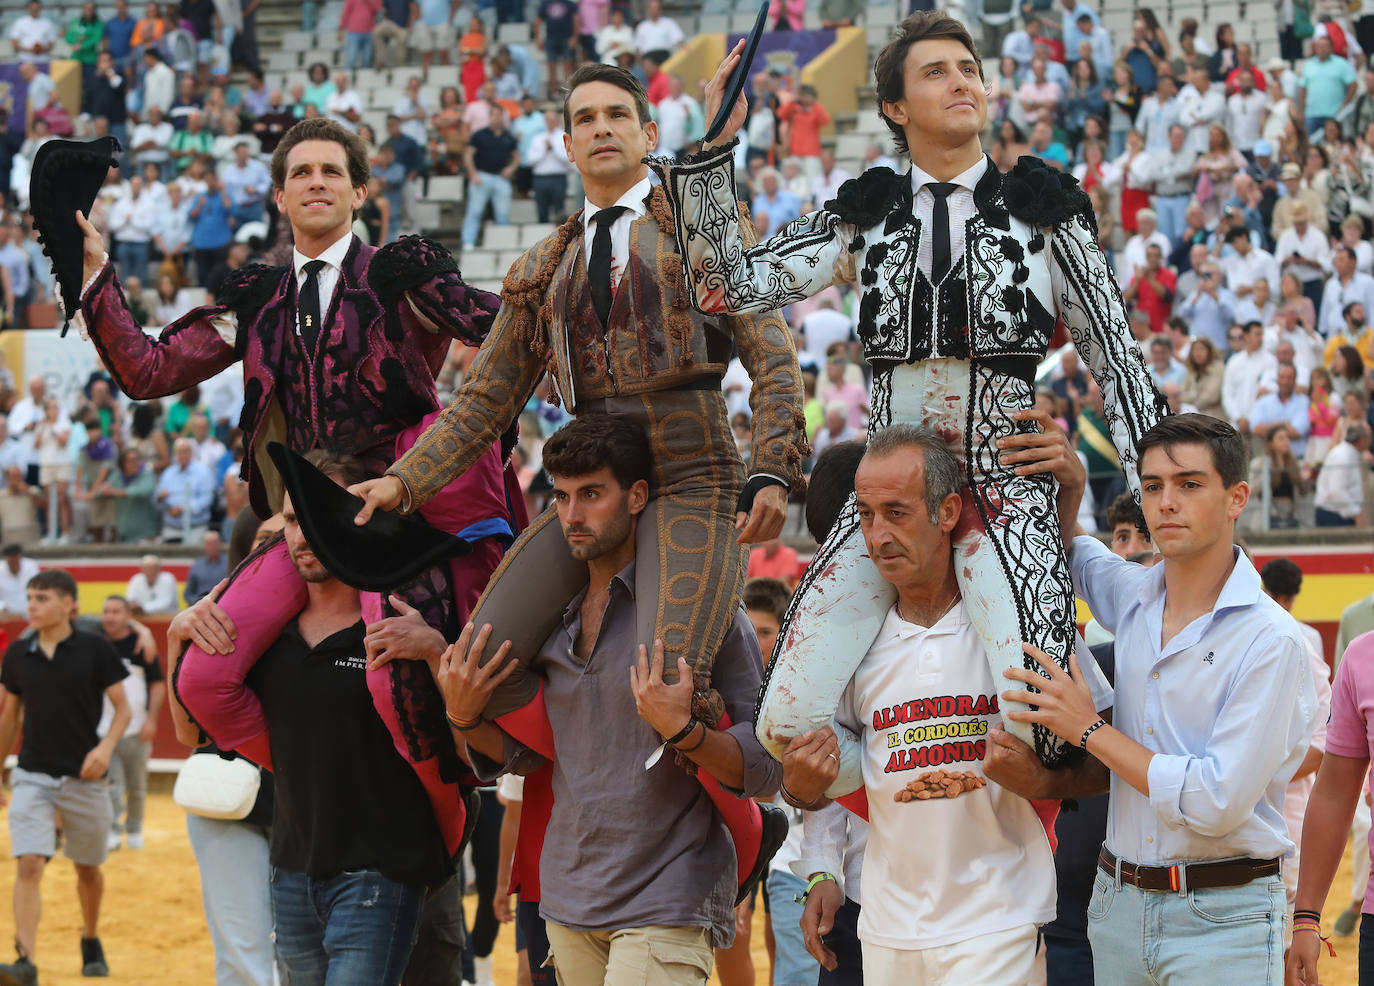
column 805, row 116
column 775, row 560
column 657, row 83
column 1152, row 288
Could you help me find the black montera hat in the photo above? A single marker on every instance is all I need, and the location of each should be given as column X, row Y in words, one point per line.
column 382, row 555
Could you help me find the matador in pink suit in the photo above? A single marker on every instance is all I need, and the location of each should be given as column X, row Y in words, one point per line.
column 962, row 273
column 339, row 351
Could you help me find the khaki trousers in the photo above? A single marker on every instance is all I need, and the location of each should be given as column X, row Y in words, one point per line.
column 652, row 956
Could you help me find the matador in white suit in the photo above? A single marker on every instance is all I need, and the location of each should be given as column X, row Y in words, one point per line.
column 962, row 274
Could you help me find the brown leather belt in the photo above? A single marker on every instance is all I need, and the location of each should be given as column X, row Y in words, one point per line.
column 1194, row 876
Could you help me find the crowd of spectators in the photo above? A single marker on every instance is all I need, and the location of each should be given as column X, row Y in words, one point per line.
column 102, row 469
column 1232, row 195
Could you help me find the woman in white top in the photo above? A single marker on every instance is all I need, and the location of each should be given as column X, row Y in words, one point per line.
column 55, row 460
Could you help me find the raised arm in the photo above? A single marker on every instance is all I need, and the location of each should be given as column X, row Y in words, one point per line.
column 193, row 348
column 728, row 274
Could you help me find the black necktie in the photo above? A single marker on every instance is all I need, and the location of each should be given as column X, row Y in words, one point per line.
column 309, row 305
column 939, row 223
column 599, row 267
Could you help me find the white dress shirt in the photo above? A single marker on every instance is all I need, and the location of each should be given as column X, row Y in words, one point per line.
column 328, row 277
column 14, row 586
column 1337, row 294
column 633, row 201
column 1340, row 484
column 1245, row 374
column 961, row 209
column 1226, row 706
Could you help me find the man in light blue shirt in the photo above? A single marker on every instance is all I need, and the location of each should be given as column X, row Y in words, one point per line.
column 1213, row 714
column 185, row 492
column 1071, row 26
column 1210, row 309
column 1284, row 408
column 1328, row 83
column 774, row 203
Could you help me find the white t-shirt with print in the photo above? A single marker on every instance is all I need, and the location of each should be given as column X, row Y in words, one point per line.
column 944, row 870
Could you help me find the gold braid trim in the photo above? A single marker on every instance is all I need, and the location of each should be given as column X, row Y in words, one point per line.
column 528, row 297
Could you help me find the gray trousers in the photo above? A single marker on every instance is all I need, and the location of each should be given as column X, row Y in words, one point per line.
column 129, row 780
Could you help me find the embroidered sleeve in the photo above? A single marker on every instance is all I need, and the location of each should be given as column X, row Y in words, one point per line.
column 779, row 427
column 726, row 274
column 188, row 351
column 427, row 275
column 492, row 395
column 1089, row 302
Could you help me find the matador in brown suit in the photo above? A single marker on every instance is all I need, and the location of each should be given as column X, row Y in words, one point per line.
column 630, row 344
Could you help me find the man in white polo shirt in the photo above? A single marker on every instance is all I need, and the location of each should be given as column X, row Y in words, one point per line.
column 962, row 903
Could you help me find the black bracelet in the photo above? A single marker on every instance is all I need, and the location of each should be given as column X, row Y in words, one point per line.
column 1310, row 915
column 682, row 733
column 697, row 745
column 1089, row 731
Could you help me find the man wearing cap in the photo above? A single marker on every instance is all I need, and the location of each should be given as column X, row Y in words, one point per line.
column 962, row 273
column 1295, row 194
column 1304, row 249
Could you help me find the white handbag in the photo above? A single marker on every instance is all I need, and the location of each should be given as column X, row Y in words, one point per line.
column 213, row 787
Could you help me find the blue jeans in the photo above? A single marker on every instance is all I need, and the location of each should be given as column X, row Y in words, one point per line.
column 233, row 865
column 494, row 189
column 132, row 259
column 359, row 50
column 1329, row 518
column 1172, row 210
column 1147, row 938
column 355, row 929
column 793, row 965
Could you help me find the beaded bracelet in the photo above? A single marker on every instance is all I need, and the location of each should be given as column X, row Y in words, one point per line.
column 796, row 802
column 1089, row 731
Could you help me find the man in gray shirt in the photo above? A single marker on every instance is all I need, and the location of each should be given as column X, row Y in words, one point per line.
column 637, row 867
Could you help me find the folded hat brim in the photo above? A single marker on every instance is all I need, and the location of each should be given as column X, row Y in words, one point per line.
column 381, row 555
column 735, row 84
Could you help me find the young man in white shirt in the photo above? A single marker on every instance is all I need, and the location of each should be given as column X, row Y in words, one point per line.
column 1213, row 714
column 33, row 34
column 964, row 906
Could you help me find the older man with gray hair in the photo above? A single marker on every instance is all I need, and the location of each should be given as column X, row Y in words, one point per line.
column 185, row 493
column 923, row 702
column 152, row 589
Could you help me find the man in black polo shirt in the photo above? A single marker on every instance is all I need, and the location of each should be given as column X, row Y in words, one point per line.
column 354, row 844
column 54, row 681
column 492, row 157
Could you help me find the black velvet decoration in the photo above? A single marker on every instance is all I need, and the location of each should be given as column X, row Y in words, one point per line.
column 406, row 264
column 66, row 177
column 1039, row 195
column 866, row 200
